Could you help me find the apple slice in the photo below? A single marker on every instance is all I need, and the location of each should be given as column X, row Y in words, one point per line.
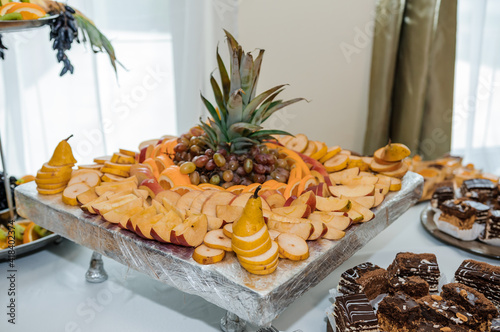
column 359, row 180
column 205, row 255
column 184, row 203
column 140, row 193
column 366, row 213
column 141, row 172
column 252, row 241
column 352, row 191
column 161, row 230
column 229, row 213
column 321, row 216
column 159, row 207
column 308, row 198
column 71, row 192
column 279, row 217
column 87, row 196
column 170, row 195
column 265, row 259
column 112, row 203
column 218, row 198
column 115, row 215
column 88, row 207
column 384, row 183
column 191, row 232
column 170, row 207
column 228, row 230
column 398, row 173
column 303, row 230
column 395, row 184
column 333, row 233
column 297, row 143
column 295, row 211
column 144, row 226
column 241, row 200
column 336, row 163
column 216, row 239
column 355, row 216
column 124, row 218
column 292, row 247
column 197, row 204
column 339, row 222
column 152, row 186
column 367, row 201
column 146, row 152
column 337, row 177
column 319, row 230
column 215, row 223
column 273, row 198
column 328, row 204
column 115, row 187
column 145, row 214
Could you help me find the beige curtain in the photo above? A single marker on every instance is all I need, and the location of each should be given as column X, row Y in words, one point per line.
column 411, row 83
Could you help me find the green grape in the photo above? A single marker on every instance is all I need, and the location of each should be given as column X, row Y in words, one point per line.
column 215, row 179
column 188, row 167
column 248, row 165
column 219, row 159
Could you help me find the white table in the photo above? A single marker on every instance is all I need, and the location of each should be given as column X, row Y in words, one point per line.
column 54, row 296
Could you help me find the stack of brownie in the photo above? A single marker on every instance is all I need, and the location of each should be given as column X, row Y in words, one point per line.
column 479, row 189
column 442, row 194
column 458, row 214
column 425, row 266
column 492, row 230
column 354, row 313
column 364, row 278
column 482, row 210
column 481, row 276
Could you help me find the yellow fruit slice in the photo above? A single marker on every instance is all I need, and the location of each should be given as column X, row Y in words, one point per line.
column 70, row 193
column 254, row 252
column 297, row 143
column 252, row 241
column 96, row 167
column 322, row 150
column 50, row 186
column 112, row 178
column 205, row 255
column 264, row 272
column 102, row 160
column 260, row 268
column 291, row 189
column 64, row 172
column 266, row 258
column 91, row 179
column 115, row 171
column 163, row 162
column 122, row 167
column 47, row 168
column 56, row 179
column 50, row 191
column 127, row 153
column 336, row 163
column 63, row 155
column 395, row 184
column 306, row 182
column 292, row 247
column 311, row 148
column 330, row 153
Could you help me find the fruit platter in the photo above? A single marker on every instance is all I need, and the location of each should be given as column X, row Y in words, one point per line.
column 247, row 218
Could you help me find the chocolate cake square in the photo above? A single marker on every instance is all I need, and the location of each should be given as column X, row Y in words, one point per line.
column 458, row 214
column 398, row 312
column 426, row 326
column 492, row 229
column 407, row 264
column 354, row 313
column 482, row 211
column 440, row 311
column 471, row 300
column 442, row 194
column 483, row 188
column 413, row 286
column 481, row 276
column 364, row 278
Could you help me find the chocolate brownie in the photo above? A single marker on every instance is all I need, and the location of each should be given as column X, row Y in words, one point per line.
column 426, row 326
column 354, row 313
column 481, row 276
column 482, row 211
column 413, row 286
column 458, row 214
column 398, row 312
column 471, row 300
column 492, row 230
column 442, row 194
column 364, row 278
column 425, row 266
column 440, row 311
column 480, row 189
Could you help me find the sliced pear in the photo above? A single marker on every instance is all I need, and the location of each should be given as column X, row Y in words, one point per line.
column 292, row 247
column 205, row 255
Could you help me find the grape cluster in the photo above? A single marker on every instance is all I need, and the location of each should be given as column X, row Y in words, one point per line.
column 64, row 30
column 204, row 165
column 2, row 47
column 3, row 194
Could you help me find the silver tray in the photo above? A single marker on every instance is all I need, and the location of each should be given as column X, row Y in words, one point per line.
column 256, row 299
column 475, row 247
column 21, row 25
column 29, row 248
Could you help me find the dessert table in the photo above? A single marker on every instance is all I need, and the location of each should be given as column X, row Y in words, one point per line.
column 54, row 296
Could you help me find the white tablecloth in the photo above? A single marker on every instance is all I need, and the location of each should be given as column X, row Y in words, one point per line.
column 52, row 294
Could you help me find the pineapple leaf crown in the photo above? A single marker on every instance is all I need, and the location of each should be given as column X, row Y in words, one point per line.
column 236, row 122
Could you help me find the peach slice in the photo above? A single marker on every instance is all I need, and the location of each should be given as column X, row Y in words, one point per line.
column 392, row 152
column 91, row 179
column 266, row 258
column 292, row 247
column 395, row 184
column 216, row 239
column 297, row 143
column 228, row 230
column 352, row 191
column 295, row 211
column 398, row 173
column 205, row 255
column 380, row 168
column 218, row 198
column 319, row 230
column 229, row 213
column 333, row 233
column 162, row 230
column 303, row 230
column 336, row 163
column 252, row 241
column 71, row 192
column 331, row 152
column 328, row 204
column 191, row 232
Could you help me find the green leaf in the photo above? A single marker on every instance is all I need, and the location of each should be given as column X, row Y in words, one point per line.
column 211, row 110
column 234, row 108
column 275, row 108
column 212, row 136
column 252, row 106
column 219, row 99
column 246, row 66
column 269, row 132
column 238, row 127
column 226, row 83
column 232, row 43
column 256, row 73
column 235, row 72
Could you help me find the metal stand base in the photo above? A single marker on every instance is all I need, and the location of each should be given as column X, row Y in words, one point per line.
column 96, row 273
column 232, row 323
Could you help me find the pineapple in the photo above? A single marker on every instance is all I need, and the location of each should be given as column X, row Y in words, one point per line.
column 236, row 123
column 227, row 149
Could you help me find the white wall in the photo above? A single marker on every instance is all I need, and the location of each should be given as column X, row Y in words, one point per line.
column 303, row 42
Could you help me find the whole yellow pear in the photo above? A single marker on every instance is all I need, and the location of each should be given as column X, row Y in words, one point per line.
column 252, row 219
column 63, row 155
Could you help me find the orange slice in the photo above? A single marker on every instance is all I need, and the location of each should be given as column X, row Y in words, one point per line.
column 270, row 184
column 172, row 177
column 295, row 174
column 29, row 233
column 181, row 190
column 209, row 186
column 237, row 189
column 281, row 188
column 6, row 7
column 168, row 146
column 163, row 162
column 154, row 168
column 251, row 188
column 28, row 11
column 306, row 182
column 291, row 189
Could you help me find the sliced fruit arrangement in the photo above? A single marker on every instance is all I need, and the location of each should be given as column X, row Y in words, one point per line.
column 21, row 11
column 25, row 231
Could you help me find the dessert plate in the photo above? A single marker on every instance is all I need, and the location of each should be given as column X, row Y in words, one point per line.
column 21, row 25
column 476, row 247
